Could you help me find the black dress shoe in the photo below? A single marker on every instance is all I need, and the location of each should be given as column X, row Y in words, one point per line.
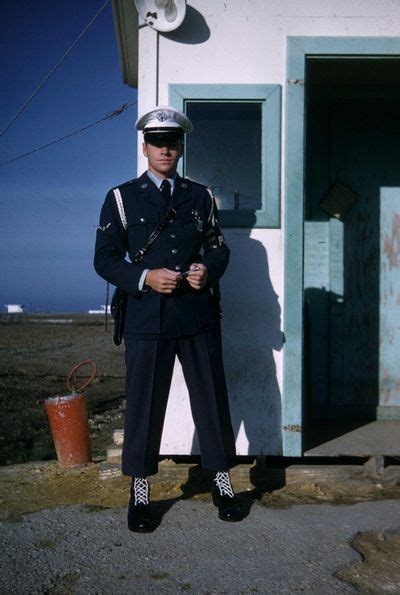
column 139, row 518
column 228, row 507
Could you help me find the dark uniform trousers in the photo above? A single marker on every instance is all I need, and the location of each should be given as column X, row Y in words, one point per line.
column 201, row 359
column 158, row 328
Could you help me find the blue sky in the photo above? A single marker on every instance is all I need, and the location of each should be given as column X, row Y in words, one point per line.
column 50, row 201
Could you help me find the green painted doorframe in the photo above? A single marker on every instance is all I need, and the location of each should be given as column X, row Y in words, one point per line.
column 298, row 49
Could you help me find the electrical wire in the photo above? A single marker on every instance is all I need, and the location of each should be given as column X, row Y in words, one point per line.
column 52, row 70
column 113, row 114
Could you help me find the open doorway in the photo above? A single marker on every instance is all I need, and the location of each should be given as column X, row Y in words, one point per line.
column 352, row 155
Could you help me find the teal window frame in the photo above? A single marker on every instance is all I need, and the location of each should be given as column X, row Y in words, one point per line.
column 269, row 96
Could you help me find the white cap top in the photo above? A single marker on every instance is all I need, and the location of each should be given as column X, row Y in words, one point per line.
column 163, row 117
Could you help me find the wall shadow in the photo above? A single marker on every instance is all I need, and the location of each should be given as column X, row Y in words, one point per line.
column 251, row 326
column 194, row 29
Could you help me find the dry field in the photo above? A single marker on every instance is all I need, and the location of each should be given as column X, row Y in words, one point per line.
column 37, row 353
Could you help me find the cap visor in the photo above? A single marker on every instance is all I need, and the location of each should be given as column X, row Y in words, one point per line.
column 163, row 137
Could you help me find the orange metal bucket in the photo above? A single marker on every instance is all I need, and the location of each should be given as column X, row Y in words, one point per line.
column 70, row 429
column 69, row 425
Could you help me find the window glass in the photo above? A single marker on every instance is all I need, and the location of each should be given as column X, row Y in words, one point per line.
column 224, row 151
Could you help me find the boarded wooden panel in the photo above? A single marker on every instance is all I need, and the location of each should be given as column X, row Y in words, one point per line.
column 389, row 311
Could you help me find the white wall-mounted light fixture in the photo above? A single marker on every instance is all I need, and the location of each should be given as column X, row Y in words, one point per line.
column 161, row 15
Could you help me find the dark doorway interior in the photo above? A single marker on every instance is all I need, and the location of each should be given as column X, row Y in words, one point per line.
column 352, row 152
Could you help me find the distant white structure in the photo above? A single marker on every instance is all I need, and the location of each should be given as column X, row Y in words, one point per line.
column 14, row 308
column 101, row 311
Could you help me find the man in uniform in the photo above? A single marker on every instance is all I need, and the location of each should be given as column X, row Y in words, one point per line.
column 172, row 309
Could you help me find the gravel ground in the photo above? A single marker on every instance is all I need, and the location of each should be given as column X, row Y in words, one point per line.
column 304, row 548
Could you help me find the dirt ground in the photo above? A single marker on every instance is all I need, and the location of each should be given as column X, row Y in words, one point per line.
column 37, row 353
column 379, row 568
column 36, row 486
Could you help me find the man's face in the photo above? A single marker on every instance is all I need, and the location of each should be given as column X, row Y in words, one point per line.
column 163, row 158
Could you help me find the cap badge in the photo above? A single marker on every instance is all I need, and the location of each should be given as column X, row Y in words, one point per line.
column 161, row 116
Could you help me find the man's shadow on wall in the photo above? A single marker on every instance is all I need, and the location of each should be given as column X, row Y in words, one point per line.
column 251, row 324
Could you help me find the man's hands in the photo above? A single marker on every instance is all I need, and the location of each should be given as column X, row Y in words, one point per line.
column 197, row 278
column 165, row 280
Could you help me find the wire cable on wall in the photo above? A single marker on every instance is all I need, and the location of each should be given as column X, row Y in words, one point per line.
column 52, row 70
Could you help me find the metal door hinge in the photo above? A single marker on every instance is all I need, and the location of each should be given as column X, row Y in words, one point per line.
column 296, row 82
column 292, row 428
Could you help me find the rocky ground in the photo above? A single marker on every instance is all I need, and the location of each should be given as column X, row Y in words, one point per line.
column 36, row 354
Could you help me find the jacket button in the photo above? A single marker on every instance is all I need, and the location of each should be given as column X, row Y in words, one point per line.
column 141, row 220
column 173, row 236
column 174, row 250
column 178, row 267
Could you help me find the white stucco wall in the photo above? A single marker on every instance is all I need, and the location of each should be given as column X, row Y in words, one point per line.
column 244, row 41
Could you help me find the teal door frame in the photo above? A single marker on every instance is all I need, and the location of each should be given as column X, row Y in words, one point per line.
column 298, row 49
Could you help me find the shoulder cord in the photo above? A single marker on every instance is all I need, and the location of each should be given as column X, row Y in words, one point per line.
column 211, row 215
column 215, row 289
column 121, row 210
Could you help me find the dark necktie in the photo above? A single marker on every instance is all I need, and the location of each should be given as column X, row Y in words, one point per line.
column 166, row 190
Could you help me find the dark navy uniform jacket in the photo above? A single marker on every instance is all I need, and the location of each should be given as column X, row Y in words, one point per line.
column 193, row 236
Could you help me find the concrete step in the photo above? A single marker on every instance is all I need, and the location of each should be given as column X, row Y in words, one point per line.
column 377, row 438
column 108, row 470
column 118, row 437
column 114, row 454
